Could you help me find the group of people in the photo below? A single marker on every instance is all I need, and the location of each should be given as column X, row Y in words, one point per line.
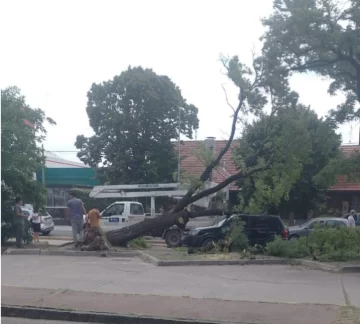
column 75, row 213
column 19, row 222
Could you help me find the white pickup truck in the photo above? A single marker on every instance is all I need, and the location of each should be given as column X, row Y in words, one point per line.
column 121, row 214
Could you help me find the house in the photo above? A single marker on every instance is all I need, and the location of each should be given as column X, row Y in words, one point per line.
column 343, row 196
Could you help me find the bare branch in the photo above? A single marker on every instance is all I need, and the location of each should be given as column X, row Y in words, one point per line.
column 227, row 99
column 314, row 64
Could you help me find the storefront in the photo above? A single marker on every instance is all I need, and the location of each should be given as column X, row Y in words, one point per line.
column 61, row 176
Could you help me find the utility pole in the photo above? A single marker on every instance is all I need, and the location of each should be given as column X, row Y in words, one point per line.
column 178, row 175
column 43, row 167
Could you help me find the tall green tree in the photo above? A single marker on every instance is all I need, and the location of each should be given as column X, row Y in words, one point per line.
column 22, row 132
column 134, row 117
column 321, row 36
column 304, row 147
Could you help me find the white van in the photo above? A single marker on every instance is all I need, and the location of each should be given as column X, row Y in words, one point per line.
column 122, row 214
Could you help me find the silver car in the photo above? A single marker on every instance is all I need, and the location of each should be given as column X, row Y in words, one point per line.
column 305, row 229
column 47, row 222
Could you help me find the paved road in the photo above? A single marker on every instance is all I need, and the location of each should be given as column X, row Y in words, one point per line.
column 281, row 283
column 259, row 294
column 15, row 320
column 61, row 231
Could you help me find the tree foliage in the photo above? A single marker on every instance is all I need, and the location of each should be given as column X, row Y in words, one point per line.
column 257, row 89
column 321, row 36
column 134, row 117
column 304, row 146
column 21, row 152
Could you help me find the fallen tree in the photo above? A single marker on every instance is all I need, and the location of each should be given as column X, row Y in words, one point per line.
column 255, row 87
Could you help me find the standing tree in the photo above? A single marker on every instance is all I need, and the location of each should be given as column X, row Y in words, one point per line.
column 22, row 132
column 256, row 90
column 321, row 36
column 135, row 116
column 305, row 146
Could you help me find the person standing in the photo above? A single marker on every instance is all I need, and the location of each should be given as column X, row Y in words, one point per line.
column 75, row 211
column 94, row 217
column 36, row 225
column 19, row 221
column 351, row 219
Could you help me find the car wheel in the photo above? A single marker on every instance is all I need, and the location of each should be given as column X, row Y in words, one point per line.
column 45, row 233
column 173, row 238
column 208, row 244
column 294, row 237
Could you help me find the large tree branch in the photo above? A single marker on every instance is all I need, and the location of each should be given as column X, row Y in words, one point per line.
column 122, row 235
column 315, row 64
column 229, row 180
column 208, row 170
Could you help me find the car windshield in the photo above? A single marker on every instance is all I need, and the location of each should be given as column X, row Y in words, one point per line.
column 219, row 221
column 307, row 223
column 311, row 221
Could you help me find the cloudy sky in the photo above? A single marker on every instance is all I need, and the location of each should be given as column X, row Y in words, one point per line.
column 54, row 50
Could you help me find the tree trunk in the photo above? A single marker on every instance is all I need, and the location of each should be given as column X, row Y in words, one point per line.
column 120, row 236
column 291, row 219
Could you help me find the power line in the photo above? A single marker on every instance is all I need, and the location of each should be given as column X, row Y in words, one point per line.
column 62, row 151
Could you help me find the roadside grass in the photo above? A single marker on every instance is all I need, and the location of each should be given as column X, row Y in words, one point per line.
column 181, row 253
column 348, row 315
column 138, row 243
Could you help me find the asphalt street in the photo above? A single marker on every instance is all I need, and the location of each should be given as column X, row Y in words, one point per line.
column 16, row 320
column 279, row 284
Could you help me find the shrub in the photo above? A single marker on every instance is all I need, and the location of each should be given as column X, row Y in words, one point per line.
column 340, row 244
column 287, row 249
column 138, row 243
column 324, row 244
column 237, row 239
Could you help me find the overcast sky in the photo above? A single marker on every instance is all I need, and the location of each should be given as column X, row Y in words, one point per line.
column 54, row 50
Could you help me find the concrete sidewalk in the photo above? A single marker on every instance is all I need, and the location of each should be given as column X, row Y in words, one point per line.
column 171, row 307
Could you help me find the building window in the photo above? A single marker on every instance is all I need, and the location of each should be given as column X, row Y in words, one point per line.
column 57, row 202
column 355, row 203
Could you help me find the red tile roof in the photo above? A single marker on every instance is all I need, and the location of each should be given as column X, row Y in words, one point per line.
column 227, row 167
column 344, row 184
column 194, row 166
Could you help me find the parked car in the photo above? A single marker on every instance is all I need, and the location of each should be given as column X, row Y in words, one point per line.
column 47, row 222
column 259, row 229
column 305, row 229
column 356, row 217
column 172, row 235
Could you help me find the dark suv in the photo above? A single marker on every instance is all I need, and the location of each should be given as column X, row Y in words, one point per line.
column 259, row 229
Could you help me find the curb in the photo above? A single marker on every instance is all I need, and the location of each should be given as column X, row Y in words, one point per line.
column 55, row 238
column 315, row 265
column 148, row 258
column 129, row 254
column 22, row 251
column 92, row 317
column 169, row 263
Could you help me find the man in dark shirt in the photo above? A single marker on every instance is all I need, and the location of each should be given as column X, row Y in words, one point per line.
column 75, row 212
column 19, row 221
